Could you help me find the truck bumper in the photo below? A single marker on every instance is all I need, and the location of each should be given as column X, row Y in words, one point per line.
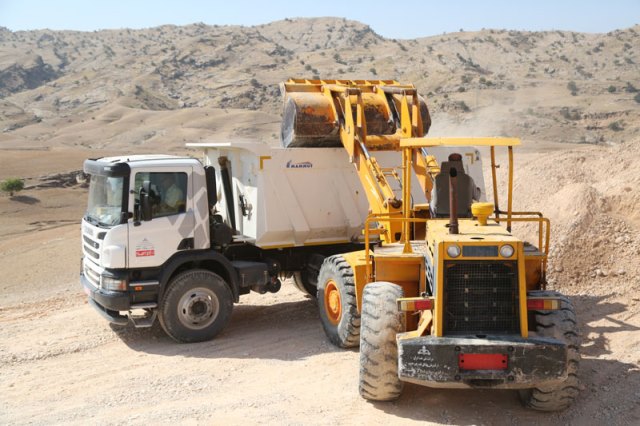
column 107, row 303
column 501, row 362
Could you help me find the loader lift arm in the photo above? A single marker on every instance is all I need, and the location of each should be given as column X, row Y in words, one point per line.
column 364, row 116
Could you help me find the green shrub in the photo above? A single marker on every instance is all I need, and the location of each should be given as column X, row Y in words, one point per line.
column 637, row 98
column 616, row 126
column 573, row 87
column 612, row 89
column 12, row 185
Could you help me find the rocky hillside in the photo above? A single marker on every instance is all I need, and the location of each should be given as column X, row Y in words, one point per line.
column 165, row 85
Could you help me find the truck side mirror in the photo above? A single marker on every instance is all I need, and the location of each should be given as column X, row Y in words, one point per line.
column 212, row 190
column 145, row 201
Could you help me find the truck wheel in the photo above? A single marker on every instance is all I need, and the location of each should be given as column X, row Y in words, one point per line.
column 196, row 306
column 307, row 280
column 562, row 325
column 381, row 321
column 337, row 302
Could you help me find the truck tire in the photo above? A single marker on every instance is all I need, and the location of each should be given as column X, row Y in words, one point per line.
column 196, row 306
column 381, row 321
column 559, row 324
column 307, row 280
column 337, row 302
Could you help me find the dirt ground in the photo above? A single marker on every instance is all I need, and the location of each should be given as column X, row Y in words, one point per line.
column 60, row 362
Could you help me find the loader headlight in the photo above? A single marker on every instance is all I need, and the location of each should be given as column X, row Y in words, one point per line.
column 453, row 250
column 506, row 250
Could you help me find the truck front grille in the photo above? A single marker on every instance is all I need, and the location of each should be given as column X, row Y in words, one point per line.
column 481, row 298
column 91, row 247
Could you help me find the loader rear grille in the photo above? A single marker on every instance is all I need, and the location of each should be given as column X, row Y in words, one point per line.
column 481, row 298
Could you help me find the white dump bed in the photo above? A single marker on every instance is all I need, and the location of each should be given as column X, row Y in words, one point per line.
column 286, row 197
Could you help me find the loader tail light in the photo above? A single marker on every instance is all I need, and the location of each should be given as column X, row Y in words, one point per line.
column 410, row 304
column 482, row 361
column 543, row 304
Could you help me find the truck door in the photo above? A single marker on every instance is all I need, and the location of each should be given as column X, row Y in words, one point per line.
column 171, row 227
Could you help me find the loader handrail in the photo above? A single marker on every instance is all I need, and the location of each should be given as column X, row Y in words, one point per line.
column 381, row 217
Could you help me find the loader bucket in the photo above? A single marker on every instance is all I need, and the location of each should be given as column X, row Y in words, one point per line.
column 308, row 120
column 314, row 110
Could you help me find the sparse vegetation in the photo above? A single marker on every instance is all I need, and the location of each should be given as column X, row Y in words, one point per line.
column 616, row 126
column 463, row 106
column 572, row 114
column 573, row 88
column 611, row 89
column 12, row 185
column 637, row 98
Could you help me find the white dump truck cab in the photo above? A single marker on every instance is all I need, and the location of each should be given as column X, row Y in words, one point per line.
column 170, row 238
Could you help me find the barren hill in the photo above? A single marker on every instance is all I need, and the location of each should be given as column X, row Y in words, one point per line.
column 159, row 87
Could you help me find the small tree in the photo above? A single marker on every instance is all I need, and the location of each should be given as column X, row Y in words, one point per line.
column 12, row 185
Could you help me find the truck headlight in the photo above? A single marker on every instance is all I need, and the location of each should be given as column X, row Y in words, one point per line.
column 506, row 250
column 113, row 284
column 453, row 250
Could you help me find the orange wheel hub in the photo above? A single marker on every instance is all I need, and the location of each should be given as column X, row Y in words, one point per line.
column 332, row 302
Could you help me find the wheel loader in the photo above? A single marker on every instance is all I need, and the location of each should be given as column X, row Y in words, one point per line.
column 442, row 294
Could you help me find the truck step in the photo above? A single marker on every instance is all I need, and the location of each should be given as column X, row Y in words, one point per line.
column 147, row 319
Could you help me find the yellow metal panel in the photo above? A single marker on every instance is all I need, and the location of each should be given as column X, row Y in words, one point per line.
column 278, row 246
column 395, row 269
column 522, row 289
column 439, row 291
column 262, row 160
column 356, row 260
column 429, row 142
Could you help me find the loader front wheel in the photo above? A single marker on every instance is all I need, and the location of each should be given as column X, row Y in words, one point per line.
column 337, row 302
column 561, row 325
column 196, row 306
column 380, row 323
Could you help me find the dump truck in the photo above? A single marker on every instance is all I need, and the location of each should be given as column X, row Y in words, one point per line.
column 447, row 296
column 180, row 240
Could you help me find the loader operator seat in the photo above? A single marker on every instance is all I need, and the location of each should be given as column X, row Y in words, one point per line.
column 466, row 189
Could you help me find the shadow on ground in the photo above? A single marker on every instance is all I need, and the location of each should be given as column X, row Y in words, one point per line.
column 25, row 199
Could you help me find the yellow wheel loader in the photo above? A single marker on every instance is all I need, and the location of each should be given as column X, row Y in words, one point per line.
column 443, row 294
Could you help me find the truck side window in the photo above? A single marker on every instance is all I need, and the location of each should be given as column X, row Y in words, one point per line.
column 168, row 192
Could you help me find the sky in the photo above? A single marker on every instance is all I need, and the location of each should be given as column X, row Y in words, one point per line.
column 391, row 19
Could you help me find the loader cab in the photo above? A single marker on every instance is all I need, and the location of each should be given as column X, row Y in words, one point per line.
column 467, row 190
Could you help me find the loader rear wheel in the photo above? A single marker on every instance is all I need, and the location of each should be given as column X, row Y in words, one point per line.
column 196, row 307
column 337, row 302
column 381, row 321
column 562, row 325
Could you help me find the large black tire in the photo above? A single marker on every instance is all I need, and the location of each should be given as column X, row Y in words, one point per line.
column 337, row 302
column 561, row 325
column 380, row 323
column 307, row 280
column 196, row 306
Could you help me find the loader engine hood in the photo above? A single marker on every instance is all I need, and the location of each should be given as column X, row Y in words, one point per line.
column 474, row 241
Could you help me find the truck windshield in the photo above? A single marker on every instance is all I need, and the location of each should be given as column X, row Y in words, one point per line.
column 105, row 200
